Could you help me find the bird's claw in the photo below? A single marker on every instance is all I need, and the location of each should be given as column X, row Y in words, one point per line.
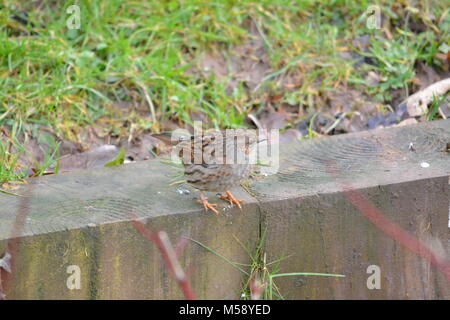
column 208, row 205
column 232, row 200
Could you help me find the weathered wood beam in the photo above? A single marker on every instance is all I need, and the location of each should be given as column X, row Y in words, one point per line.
column 337, row 205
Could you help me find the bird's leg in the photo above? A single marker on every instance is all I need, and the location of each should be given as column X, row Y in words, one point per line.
column 229, row 197
column 204, row 200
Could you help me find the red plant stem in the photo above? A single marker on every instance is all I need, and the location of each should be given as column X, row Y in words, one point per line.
column 379, row 220
column 169, row 256
column 374, row 215
column 14, row 242
column 180, row 246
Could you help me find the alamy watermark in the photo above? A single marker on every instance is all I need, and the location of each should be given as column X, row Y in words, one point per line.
column 74, row 20
column 74, row 280
column 373, row 17
column 227, row 147
column 374, row 280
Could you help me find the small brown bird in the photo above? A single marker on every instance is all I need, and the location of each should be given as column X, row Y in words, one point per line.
column 216, row 161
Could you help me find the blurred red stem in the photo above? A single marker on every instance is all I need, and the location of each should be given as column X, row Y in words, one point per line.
column 169, row 256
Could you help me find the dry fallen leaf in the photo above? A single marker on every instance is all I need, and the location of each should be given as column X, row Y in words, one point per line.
column 94, row 158
column 407, row 122
column 271, row 120
column 9, row 186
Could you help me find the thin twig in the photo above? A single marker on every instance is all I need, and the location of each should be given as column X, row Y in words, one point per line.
column 6, row 113
column 442, row 113
column 149, row 101
column 161, row 239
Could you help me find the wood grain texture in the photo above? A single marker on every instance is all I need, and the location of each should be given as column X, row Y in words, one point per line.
column 83, row 218
column 359, row 160
column 328, row 234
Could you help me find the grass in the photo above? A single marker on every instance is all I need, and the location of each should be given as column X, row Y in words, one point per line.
column 261, row 271
column 147, row 52
column 12, row 147
column 433, row 109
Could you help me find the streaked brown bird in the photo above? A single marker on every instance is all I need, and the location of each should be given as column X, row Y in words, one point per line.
column 216, row 161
